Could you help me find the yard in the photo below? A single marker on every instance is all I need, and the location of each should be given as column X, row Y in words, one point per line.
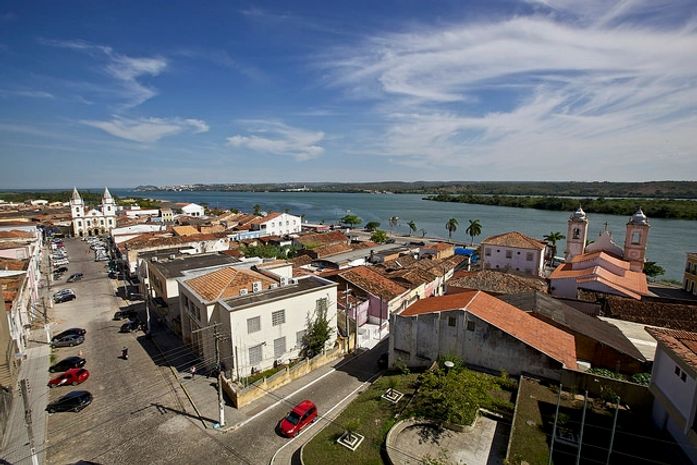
column 637, row 442
column 372, row 416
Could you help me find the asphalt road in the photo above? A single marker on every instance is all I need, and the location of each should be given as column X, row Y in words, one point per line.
column 140, row 414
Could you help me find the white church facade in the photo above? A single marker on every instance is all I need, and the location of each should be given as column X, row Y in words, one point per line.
column 92, row 221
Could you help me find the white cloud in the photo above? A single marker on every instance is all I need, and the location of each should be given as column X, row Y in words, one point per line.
column 280, row 139
column 148, row 129
column 26, row 93
column 530, row 92
column 125, row 69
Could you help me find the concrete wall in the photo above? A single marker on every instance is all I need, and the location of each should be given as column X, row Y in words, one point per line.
column 498, row 260
column 634, row 395
column 680, row 393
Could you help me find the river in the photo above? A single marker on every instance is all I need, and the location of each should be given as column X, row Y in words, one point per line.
column 669, row 240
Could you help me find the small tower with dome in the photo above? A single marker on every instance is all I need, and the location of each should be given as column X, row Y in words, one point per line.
column 577, row 234
column 636, row 240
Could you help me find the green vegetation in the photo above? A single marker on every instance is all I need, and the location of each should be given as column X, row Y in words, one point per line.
column 318, row 332
column 451, row 226
column 412, row 227
column 257, row 209
column 372, row 226
column 638, row 378
column 654, row 208
column 393, row 222
column 62, row 196
column 474, row 229
column 351, row 220
column 379, row 236
column 269, row 251
column 552, row 239
column 651, row 269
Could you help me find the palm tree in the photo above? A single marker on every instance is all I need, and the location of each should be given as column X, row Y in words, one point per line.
column 412, row 227
column 423, row 232
column 451, row 226
column 552, row 239
column 257, row 209
column 393, row 221
column 474, row 229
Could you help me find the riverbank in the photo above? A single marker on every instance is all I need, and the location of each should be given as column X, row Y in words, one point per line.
column 654, row 208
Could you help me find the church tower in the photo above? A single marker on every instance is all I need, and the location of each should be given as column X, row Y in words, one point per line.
column 636, row 240
column 77, row 213
column 108, row 209
column 576, row 234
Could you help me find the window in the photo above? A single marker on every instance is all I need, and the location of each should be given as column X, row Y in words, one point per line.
column 683, row 377
column 79, row 223
column 636, row 237
column 452, row 321
column 253, row 324
column 509, row 254
column 279, row 347
column 487, row 252
column 470, row 326
column 256, row 354
column 528, row 256
column 677, row 370
column 299, row 336
column 577, row 233
column 278, row 317
column 321, row 305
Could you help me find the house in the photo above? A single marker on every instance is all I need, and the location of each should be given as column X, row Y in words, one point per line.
column 495, row 282
column 8, row 350
column 264, row 318
column 514, row 251
column 166, row 215
column 319, row 245
column 674, row 387
column 597, row 272
column 275, row 224
column 598, row 343
column 437, row 250
column 482, row 331
column 689, row 281
column 124, row 233
column 193, row 209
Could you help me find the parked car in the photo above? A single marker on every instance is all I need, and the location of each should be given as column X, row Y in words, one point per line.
column 130, row 326
column 73, row 376
column 67, row 364
column 57, row 276
column 63, row 291
column 302, row 415
column 61, row 269
column 71, row 402
column 125, row 315
column 69, row 332
column 62, row 261
column 75, row 277
column 71, row 340
column 64, row 297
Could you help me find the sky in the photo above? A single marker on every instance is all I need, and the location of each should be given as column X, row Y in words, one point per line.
column 127, row 93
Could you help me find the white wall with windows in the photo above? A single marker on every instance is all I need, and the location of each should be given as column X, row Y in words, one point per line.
column 528, row 261
column 281, row 225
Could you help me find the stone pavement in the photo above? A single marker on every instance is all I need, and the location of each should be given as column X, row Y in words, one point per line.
column 35, row 370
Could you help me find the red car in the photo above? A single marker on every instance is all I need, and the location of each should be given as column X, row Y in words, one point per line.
column 73, row 376
column 302, row 415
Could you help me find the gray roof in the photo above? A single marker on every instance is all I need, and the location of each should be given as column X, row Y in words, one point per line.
column 568, row 317
column 174, row 268
column 311, row 283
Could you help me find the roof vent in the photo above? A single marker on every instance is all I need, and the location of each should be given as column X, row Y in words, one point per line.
column 256, row 286
column 153, row 259
column 244, row 291
column 172, row 256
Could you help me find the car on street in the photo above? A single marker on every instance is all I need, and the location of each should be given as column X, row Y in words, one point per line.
column 57, row 276
column 62, row 261
column 75, row 277
column 68, row 363
column 302, row 415
column 71, row 402
column 70, row 340
column 125, row 314
column 64, row 297
column 130, row 326
column 73, row 376
column 61, row 269
column 71, row 331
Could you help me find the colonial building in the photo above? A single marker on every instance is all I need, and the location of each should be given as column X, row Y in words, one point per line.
column 513, row 251
column 690, row 276
column 92, row 222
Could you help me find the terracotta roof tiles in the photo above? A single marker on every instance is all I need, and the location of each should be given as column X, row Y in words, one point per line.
column 227, row 283
column 682, row 344
column 373, row 282
column 515, row 239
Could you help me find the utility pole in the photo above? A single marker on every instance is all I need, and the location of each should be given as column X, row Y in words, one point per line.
column 614, row 427
column 583, row 424
column 221, row 400
column 554, row 428
column 348, row 328
column 23, row 384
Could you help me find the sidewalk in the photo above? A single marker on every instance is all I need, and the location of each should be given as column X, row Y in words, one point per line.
column 15, row 446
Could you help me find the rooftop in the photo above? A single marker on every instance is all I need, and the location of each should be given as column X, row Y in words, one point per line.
column 373, row 282
column 311, row 283
column 682, row 344
column 227, row 283
column 497, row 282
column 516, row 240
column 320, row 239
column 173, row 268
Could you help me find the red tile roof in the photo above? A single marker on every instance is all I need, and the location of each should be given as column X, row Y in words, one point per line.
column 587, row 257
column 630, row 283
column 322, row 239
column 535, row 333
column 265, row 219
column 516, row 240
column 226, row 283
column 373, row 282
column 682, row 344
column 16, row 234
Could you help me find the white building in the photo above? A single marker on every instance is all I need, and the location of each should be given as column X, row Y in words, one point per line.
column 263, row 313
column 193, row 209
column 513, row 251
column 95, row 221
column 674, row 386
column 276, row 224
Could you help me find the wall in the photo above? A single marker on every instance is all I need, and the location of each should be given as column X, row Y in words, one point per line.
column 565, row 287
column 680, row 393
column 634, row 395
column 518, row 261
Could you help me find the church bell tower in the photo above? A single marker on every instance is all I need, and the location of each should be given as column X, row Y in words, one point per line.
column 636, row 240
column 576, row 234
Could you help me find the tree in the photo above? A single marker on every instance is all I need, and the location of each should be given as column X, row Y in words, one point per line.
column 257, row 209
column 651, row 269
column 412, row 227
column 451, row 226
column 372, row 226
column 474, row 229
column 318, row 331
column 379, row 236
column 423, row 232
column 351, row 220
column 552, row 239
column 394, row 222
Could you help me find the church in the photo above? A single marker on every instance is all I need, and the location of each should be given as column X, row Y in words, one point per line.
column 92, row 222
column 603, row 266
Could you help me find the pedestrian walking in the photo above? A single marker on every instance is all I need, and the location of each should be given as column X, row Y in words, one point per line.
column 193, row 371
column 124, row 353
column 79, row 353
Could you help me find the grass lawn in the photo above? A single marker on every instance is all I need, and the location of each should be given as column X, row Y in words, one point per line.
column 637, row 442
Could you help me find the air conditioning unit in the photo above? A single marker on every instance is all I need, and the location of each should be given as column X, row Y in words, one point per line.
column 284, row 281
column 244, row 291
column 294, row 280
column 273, row 286
column 256, row 286
column 153, row 259
column 172, row 256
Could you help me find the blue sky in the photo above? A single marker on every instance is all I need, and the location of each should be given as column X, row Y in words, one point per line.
column 126, row 93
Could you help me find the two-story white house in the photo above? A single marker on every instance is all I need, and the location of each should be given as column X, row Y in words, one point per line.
column 193, row 209
column 262, row 313
column 674, row 386
column 514, row 251
column 276, row 224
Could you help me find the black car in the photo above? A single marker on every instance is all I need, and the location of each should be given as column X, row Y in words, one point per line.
column 130, row 326
column 75, row 277
column 125, row 315
column 71, row 402
column 61, row 269
column 64, row 298
column 70, row 340
column 69, row 332
column 67, row 363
